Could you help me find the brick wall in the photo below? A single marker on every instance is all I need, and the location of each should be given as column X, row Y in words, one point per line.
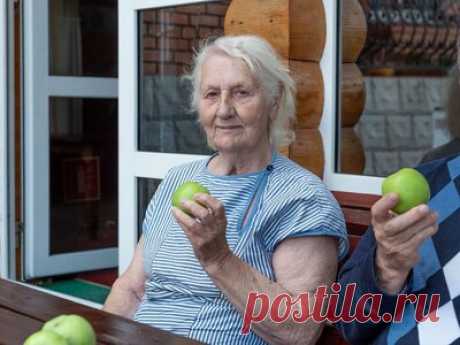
column 396, row 127
column 169, row 38
column 171, row 34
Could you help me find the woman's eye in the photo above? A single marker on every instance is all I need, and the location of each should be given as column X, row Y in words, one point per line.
column 211, row 94
column 242, row 93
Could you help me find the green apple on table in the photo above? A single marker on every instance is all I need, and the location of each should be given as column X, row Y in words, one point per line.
column 44, row 337
column 64, row 330
column 411, row 186
column 186, row 191
column 74, row 328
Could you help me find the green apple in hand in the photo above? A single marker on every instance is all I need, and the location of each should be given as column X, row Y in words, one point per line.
column 411, row 186
column 74, row 328
column 186, row 191
column 45, row 338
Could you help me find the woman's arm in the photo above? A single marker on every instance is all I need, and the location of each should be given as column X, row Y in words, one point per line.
column 128, row 289
column 300, row 264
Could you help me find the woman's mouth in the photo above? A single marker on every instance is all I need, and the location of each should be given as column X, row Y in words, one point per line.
column 228, row 128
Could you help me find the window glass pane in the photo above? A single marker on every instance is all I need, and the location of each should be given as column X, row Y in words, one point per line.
column 168, row 37
column 83, row 38
column 83, row 174
column 146, row 188
column 404, row 68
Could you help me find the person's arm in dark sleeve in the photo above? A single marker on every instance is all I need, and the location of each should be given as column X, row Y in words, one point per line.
column 359, row 270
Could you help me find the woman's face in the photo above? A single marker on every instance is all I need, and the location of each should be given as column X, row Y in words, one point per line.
column 232, row 106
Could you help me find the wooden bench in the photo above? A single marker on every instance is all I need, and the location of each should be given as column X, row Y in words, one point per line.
column 356, row 209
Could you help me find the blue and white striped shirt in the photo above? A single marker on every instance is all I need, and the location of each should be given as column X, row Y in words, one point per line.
column 288, row 201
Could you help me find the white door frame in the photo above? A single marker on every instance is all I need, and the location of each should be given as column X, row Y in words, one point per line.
column 38, row 87
column 4, row 219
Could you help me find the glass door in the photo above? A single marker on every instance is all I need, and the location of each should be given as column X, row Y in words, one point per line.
column 71, row 136
column 157, row 130
column 3, row 144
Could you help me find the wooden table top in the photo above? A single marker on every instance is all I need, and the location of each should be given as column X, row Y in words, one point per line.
column 23, row 310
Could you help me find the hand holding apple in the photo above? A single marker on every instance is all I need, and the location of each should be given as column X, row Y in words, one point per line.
column 204, row 222
column 398, row 239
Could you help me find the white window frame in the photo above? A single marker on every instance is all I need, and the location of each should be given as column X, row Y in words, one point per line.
column 135, row 164
column 38, row 87
column 328, row 127
column 4, row 238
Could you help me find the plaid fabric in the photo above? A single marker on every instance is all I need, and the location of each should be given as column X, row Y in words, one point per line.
column 438, row 269
column 436, row 273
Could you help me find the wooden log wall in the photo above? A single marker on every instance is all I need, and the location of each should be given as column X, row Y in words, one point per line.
column 297, row 30
column 353, row 92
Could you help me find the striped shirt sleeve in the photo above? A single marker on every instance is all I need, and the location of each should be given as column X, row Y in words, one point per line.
column 310, row 211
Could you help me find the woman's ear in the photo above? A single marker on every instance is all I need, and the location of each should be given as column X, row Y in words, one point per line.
column 274, row 111
column 276, row 104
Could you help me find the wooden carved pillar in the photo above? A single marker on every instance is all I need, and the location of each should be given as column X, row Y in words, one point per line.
column 297, row 30
column 353, row 92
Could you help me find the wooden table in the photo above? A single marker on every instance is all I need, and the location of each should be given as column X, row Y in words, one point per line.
column 23, row 310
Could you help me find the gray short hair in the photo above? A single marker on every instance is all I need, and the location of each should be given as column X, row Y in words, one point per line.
column 267, row 68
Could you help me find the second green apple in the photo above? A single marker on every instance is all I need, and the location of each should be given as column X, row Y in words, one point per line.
column 411, row 186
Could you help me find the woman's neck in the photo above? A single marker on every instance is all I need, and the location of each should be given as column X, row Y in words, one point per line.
column 237, row 163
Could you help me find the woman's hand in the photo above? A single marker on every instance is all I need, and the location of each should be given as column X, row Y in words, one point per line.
column 398, row 239
column 205, row 227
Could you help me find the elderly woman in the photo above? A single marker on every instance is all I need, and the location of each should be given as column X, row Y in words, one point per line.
column 268, row 225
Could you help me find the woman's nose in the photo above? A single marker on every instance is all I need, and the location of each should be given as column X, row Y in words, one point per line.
column 225, row 108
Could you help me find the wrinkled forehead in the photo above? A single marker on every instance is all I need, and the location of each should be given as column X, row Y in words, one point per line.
column 219, row 67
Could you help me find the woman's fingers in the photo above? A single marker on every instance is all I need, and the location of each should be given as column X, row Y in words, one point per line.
column 202, row 210
column 183, row 218
column 216, row 207
column 195, row 209
column 191, row 228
